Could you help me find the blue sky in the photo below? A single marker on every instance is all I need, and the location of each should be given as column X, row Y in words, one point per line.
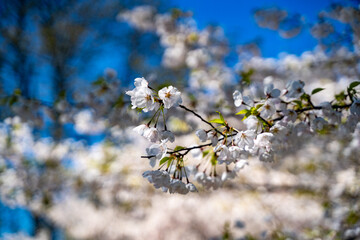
column 236, row 17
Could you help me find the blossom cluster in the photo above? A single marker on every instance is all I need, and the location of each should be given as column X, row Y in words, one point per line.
column 275, row 125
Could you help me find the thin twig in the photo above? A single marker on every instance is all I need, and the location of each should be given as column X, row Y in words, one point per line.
column 313, row 108
column 190, row 148
column 202, row 119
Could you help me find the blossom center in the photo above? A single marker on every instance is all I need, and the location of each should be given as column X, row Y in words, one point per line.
column 168, row 95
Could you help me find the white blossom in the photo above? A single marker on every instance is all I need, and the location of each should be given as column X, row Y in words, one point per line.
column 157, row 152
column 151, row 134
column 355, row 108
column 245, row 139
column 268, row 109
column 170, row 96
column 295, row 89
column 201, row 133
column 177, row 186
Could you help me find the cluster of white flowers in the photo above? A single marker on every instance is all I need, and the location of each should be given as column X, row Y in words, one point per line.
column 281, row 118
column 277, row 123
column 144, row 98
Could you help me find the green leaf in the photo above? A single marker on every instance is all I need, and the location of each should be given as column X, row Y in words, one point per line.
column 12, row 100
column 219, row 121
column 246, row 115
column 354, row 84
column 213, row 159
column 164, row 160
column 100, row 81
column 340, row 97
column 254, row 111
column 259, row 106
column 305, row 97
column 62, row 95
column 119, row 102
column 205, row 153
column 139, row 110
column 221, row 116
column 298, row 102
column 316, row 90
column 246, row 76
column 244, row 111
column 178, row 148
column 17, row 92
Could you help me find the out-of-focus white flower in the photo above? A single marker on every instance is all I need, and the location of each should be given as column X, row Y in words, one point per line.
column 266, row 156
column 191, row 187
column 224, row 153
column 141, row 17
column 227, row 175
column 252, row 123
column 85, row 123
column 321, row 30
column 151, row 134
column 290, row 115
column 170, row 96
column 140, row 129
column 197, row 58
column 201, row 133
column 318, row 124
column 160, row 179
column 110, row 73
column 278, row 130
column 355, row 108
column 174, row 57
column 235, row 152
column 157, row 152
column 295, row 89
column 167, row 136
column 245, row 139
column 270, row 91
column 177, row 186
column 332, row 116
column 268, row 109
column 213, row 138
column 240, row 165
column 263, row 140
column 239, row 99
column 142, row 97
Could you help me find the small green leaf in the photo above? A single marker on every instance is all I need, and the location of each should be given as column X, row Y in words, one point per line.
column 205, row 153
column 17, row 92
column 354, row 84
column 259, row 106
column 119, row 102
column 139, row 110
column 219, row 121
column 12, row 100
column 254, row 111
column 178, row 148
column 100, row 81
column 305, row 97
column 164, row 160
column 246, row 76
column 221, row 116
column 316, row 90
column 213, row 159
column 246, row 115
column 341, row 97
column 298, row 102
column 244, row 111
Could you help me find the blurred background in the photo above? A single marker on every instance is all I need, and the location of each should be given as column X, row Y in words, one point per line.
column 64, row 68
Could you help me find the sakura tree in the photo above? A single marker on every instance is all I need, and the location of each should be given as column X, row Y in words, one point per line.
column 267, row 148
